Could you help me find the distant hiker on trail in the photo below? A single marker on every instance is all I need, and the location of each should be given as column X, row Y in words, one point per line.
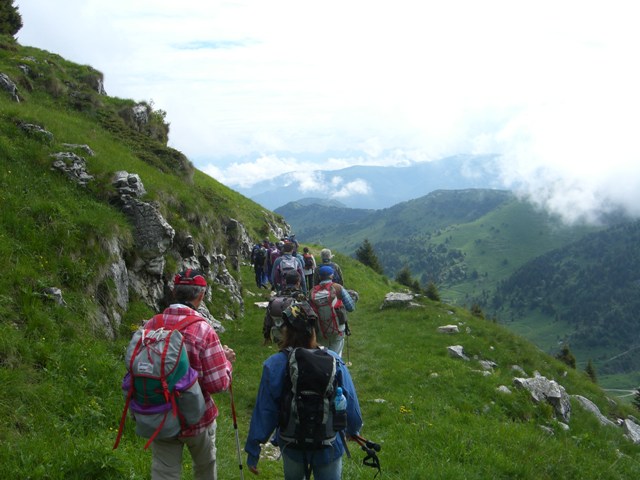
column 274, row 253
column 331, row 301
column 326, row 256
column 271, row 328
column 309, row 267
column 212, row 361
column 284, row 263
column 306, row 445
column 259, row 260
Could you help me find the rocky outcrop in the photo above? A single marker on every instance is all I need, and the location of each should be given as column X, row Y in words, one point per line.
column 36, row 131
column 73, row 166
column 9, row 86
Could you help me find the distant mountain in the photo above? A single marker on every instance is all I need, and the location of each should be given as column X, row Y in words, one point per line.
column 377, row 187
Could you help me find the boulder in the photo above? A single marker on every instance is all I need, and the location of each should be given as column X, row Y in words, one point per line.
column 487, row 364
column 632, row 431
column 449, row 329
column 589, row 406
column 397, row 299
column 55, row 294
column 457, row 351
column 542, row 388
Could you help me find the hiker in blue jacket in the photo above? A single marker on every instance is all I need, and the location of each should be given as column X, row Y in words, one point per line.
column 326, row 463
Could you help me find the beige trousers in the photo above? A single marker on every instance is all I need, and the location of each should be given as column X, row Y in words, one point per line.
column 166, row 462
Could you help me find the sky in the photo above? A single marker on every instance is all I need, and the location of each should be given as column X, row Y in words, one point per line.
column 254, row 88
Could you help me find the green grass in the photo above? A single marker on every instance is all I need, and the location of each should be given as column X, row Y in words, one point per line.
column 436, row 417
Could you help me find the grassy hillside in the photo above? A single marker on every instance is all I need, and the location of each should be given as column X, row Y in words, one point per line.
column 586, row 293
column 60, row 404
column 437, row 417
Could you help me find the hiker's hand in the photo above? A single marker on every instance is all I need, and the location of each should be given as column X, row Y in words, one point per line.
column 253, row 470
column 229, row 353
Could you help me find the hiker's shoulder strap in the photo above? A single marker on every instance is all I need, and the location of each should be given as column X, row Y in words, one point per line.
column 186, row 321
column 156, row 322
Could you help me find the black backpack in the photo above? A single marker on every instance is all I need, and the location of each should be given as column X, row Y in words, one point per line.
column 260, row 256
column 307, row 405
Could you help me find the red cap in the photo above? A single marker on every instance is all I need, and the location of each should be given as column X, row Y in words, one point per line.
column 190, row 277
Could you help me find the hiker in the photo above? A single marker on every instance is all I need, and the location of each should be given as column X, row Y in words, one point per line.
column 282, row 265
column 273, row 253
column 272, row 405
column 212, row 361
column 331, row 301
column 259, row 260
column 271, row 328
column 326, row 256
column 309, row 263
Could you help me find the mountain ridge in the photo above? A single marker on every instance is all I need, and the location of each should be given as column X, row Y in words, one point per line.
column 385, row 186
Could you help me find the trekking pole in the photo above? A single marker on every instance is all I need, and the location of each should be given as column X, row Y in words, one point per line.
column 235, row 427
column 347, row 333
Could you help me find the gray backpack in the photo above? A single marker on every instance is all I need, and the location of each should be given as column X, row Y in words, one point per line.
column 160, row 387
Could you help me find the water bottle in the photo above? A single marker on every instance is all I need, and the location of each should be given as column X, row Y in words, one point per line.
column 340, row 415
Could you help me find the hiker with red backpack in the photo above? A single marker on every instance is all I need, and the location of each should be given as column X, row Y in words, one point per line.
column 285, row 263
column 331, row 301
column 211, row 363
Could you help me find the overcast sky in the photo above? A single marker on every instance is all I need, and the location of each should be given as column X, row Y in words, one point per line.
column 253, row 88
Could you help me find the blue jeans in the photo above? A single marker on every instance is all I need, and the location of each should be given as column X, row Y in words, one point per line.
column 295, row 470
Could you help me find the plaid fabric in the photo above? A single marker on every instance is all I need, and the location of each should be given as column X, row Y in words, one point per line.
column 206, row 357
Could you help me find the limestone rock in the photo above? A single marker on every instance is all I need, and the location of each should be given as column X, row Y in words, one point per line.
column 457, row 351
column 396, row 299
column 589, row 406
column 632, row 431
column 128, row 184
column 73, row 166
column 8, row 85
column 543, row 389
column 448, row 329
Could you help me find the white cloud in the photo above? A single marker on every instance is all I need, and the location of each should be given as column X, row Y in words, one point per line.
column 356, row 187
column 551, row 86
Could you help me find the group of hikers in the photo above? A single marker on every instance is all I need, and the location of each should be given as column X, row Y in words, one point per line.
column 299, row 405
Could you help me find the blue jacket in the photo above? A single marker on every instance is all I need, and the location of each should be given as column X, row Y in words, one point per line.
column 265, row 412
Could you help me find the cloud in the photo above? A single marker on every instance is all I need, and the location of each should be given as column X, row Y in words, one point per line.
column 549, row 86
column 355, row 187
